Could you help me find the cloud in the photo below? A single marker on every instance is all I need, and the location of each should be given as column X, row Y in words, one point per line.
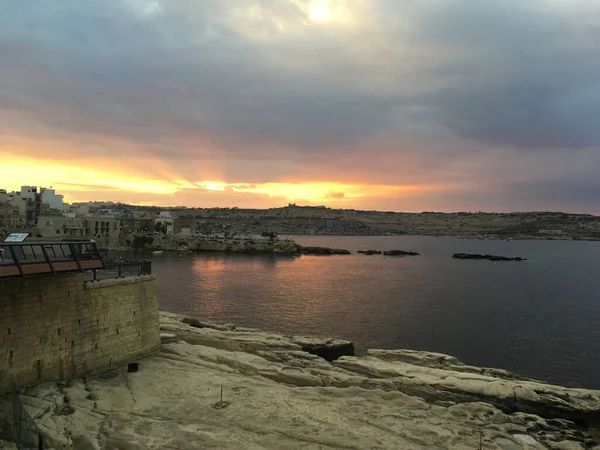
column 337, row 195
column 256, row 91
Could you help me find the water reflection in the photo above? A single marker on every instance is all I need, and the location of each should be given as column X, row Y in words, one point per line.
column 210, row 271
column 541, row 318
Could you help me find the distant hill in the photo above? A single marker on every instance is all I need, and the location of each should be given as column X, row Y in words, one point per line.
column 321, row 220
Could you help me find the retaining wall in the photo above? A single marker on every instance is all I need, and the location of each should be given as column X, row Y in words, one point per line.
column 60, row 326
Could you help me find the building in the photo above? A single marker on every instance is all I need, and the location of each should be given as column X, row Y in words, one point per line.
column 184, row 225
column 138, row 226
column 164, row 222
column 171, row 225
column 50, row 198
column 104, row 230
column 10, row 218
column 29, row 193
column 58, row 226
column 33, row 204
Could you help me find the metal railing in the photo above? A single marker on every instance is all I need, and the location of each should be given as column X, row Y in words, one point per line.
column 37, row 258
column 120, row 270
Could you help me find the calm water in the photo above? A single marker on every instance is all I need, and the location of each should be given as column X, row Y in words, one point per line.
column 540, row 318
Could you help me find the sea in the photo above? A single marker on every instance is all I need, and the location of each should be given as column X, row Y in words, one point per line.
column 539, row 318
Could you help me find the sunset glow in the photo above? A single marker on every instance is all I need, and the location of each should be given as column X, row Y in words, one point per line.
column 367, row 104
column 78, row 182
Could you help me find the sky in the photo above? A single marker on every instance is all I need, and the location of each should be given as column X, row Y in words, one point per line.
column 403, row 105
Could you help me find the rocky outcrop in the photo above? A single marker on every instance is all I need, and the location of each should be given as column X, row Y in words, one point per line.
column 221, row 244
column 399, row 253
column 230, row 387
column 324, row 251
column 330, row 349
column 488, row 257
column 370, row 252
column 244, row 246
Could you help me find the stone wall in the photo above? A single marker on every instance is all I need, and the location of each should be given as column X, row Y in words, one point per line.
column 57, row 327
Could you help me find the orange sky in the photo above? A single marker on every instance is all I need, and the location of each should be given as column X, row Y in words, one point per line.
column 139, row 177
column 97, row 179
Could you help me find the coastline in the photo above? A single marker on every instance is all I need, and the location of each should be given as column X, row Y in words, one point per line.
column 465, row 237
column 275, row 394
column 285, row 246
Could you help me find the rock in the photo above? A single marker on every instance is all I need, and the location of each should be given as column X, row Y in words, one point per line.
column 195, row 243
column 329, row 350
column 447, row 384
column 525, row 439
column 85, row 442
column 233, row 387
column 193, row 322
column 166, row 338
column 488, row 257
column 324, row 251
column 566, row 445
column 5, row 445
column 197, row 324
column 370, row 252
column 441, row 361
column 399, row 253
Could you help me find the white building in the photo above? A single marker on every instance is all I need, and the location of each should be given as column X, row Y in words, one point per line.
column 166, row 220
column 51, row 198
column 28, row 193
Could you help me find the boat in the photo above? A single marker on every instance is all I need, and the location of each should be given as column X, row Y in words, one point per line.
column 157, row 252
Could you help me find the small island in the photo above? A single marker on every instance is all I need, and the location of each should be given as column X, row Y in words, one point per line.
column 324, row 251
column 399, row 253
column 488, row 257
column 370, row 252
column 388, row 252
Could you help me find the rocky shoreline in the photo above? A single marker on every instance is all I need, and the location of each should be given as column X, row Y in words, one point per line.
column 324, row 251
column 195, row 244
column 229, row 387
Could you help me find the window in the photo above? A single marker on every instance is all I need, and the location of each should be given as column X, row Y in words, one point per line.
column 57, row 231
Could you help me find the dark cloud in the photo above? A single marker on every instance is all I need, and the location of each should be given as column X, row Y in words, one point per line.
column 403, row 92
column 533, row 80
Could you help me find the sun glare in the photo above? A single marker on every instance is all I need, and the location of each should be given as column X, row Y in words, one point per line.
column 319, row 11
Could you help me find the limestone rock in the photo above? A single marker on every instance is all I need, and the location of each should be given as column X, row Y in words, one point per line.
column 441, row 361
column 277, row 395
column 166, row 338
column 329, row 350
column 488, row 257
column 400, row 253
column 324, row 251
column 221, row 244
column 5, row 445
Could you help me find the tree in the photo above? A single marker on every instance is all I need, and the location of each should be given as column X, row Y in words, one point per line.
column 160, row 228
column 271, row 235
